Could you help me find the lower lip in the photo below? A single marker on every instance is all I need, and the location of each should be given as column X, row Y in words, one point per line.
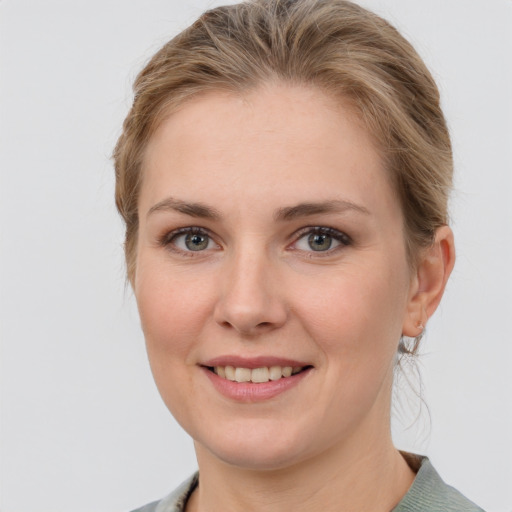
column 251, row 392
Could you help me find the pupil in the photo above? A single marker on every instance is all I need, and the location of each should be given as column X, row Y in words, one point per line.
column 319, row 242
column 196, row 242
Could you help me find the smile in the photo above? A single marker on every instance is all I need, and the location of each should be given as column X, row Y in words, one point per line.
column 256, row 375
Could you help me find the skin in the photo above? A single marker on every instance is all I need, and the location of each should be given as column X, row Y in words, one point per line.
column 258, row 289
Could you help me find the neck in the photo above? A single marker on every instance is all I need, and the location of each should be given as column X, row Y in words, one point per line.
column 344, row 479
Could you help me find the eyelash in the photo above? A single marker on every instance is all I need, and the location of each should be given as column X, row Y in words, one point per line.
column 343, row 239
column 168, row 239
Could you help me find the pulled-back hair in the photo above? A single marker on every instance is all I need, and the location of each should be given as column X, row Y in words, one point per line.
column 335, row 45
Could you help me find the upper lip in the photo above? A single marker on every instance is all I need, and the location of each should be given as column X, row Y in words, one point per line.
column 253, row 362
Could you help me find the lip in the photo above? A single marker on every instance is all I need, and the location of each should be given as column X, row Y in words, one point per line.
column 253, row 362
column 250, row 392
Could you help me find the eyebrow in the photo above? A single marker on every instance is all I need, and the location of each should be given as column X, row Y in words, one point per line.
column 308, row 209
column 198, row 210
column 202, row 211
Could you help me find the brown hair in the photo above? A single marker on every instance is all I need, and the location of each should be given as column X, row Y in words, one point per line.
column 335, row 45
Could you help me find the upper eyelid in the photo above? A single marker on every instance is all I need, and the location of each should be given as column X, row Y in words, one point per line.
column 321, row 229
column 169, row 236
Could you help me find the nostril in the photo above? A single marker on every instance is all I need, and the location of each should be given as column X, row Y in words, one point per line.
column 249, row 314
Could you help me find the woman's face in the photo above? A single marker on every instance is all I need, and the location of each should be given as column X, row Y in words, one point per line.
column 270, row 242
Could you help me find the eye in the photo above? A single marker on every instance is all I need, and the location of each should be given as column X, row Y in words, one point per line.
column 321, row 239
column 188, row 240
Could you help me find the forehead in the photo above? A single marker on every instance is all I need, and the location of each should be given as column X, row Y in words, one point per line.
column 275, row 141
column 271, row 113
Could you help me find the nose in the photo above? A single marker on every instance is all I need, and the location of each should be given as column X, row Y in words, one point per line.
column 251, row 300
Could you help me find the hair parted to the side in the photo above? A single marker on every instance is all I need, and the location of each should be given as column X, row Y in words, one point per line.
column 335, row 45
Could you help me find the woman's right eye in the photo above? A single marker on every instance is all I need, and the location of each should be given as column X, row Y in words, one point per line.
column 190, row 240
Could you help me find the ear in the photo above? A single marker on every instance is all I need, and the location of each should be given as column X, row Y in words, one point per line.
column 428, row 282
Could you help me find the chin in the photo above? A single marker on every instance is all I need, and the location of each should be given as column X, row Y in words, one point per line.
column 254, row 449
column 257, row 459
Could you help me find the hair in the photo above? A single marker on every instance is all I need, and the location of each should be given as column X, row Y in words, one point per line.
column 334, row 45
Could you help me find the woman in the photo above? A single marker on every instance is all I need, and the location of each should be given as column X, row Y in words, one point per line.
column 283, row 175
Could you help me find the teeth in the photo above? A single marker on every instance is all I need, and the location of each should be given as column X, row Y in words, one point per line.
column 287, row 371
column 243, row 375
column 257, row 375
column 260, row 375
column 275, row 373
column 229, row 371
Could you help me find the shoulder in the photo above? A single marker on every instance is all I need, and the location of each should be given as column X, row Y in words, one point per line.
column 174, row 502
column 429, row 493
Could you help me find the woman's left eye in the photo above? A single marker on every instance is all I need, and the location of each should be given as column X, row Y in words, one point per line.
column 321, row 239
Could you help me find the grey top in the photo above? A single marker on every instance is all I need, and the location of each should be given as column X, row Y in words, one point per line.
column 428, row 493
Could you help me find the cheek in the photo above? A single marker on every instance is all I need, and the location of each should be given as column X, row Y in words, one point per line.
column 172, row 314
column 355, row 320
column 358, row 312
column 172, row 307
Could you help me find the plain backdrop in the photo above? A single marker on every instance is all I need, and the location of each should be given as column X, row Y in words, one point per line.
column 82, row 426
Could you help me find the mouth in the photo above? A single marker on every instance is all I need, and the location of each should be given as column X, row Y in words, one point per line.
column 256, row 379
column 256, row 375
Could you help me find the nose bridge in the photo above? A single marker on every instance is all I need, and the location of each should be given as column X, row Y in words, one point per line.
column 249, row 299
